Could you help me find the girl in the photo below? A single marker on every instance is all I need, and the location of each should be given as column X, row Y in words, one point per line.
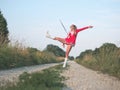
column 69, row 40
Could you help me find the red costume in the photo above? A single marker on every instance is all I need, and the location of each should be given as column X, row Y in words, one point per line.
column 71, row 38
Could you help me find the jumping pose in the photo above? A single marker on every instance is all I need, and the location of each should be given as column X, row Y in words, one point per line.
column 70, row 40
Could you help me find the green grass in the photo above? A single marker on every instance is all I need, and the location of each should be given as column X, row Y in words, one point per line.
column 105, row 59
column 17, row 56
column 48, row 79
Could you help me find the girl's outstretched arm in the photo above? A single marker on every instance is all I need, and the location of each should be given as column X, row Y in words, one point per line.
column 84, row 28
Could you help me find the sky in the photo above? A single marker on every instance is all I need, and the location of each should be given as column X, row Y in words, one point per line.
column 29, row 20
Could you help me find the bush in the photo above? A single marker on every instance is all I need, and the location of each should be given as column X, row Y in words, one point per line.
column 106, row 59
column 15, row 56
column 55, row 50
column 48, row 79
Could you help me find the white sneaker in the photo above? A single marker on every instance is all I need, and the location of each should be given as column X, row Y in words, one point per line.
column 64, row 64
column 48, row 35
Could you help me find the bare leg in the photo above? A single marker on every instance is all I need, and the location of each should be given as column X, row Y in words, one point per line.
column 68, row 49
column 62, row 40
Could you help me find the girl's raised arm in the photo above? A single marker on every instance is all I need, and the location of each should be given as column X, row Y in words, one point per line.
column 84, row 28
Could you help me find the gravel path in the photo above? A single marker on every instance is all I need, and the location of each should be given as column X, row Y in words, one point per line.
column 81, row 78
column 12, row 75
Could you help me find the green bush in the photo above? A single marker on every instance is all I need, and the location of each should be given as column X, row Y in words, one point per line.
column 55, row 50
column 14, row 56
column 106, row 59
column 48, row 79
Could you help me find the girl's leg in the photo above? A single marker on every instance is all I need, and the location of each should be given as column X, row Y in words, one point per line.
column 68, row 49
column 62, row 40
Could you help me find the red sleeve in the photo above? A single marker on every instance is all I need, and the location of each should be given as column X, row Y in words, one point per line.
column 78, row 30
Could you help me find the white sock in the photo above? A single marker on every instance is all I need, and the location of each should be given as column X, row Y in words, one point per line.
column 48, row 35
column 65, row 61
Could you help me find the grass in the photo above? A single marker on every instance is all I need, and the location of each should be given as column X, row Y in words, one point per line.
column 48, row 79
column 105, row 59
column 12, row 56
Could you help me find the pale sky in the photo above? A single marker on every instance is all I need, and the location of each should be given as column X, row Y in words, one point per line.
column 28, row 21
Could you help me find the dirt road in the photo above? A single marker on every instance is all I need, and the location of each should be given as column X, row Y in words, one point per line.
column 81, row 78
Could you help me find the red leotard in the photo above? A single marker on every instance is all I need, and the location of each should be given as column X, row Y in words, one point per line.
column 71, row 38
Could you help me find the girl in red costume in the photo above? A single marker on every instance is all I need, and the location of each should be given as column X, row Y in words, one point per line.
column 70, row 39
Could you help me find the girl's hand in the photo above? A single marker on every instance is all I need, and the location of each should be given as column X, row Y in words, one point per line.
column 90, row 26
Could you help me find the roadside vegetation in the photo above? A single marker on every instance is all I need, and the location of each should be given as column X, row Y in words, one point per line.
column 14, row 56
column 48, row 79
column 105, row 59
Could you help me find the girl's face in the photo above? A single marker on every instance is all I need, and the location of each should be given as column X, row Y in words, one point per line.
column 73, row 27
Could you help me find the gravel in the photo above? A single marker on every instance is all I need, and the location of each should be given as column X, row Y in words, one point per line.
column 81, row 78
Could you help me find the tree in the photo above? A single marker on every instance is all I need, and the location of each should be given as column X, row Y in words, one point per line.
column 55, row 50
column 3, row 30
